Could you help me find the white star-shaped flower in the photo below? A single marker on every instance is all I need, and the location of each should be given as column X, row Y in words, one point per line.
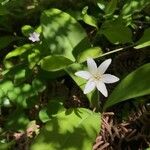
column 95, row 76
column 34, row 37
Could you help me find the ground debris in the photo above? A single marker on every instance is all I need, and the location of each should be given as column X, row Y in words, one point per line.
column 133, row 134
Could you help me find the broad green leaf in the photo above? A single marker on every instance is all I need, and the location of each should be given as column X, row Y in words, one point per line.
column 116, row 32
column 144, row 41
column 73, row 129
column 90, row 20
column 54, row 63
column 18, row 51
column 92, row 52
column 61, row 33
column 111, row 7
column 134, row 85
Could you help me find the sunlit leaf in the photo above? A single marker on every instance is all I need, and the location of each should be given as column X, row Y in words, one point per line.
column 134, row 85
column 33, row 58
column 61, row 33
column 92, row 52
column 55, row 63
column 18, row 51
column 133, row 6
column 74, row 129
column 90, row 20
column 111, row 7
column 27, row 29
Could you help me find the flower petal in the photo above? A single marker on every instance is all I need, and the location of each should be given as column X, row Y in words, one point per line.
column 108, row 78
column 102, row 88
column 89, row 87
column 91, row 65
column 34, row 37
column 104, row 65
column 83, row 74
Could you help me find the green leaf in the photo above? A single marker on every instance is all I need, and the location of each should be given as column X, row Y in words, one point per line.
column 116, row 32
column 54, row 63
column 33, row 58
column 74, row 129
column 61, row 33
column 20, row 75
column 90, row 20
column 52, row 109
column 111, row 7
column 144, row 41
column 38, row 85
column 101, row 4
column 18, row 51
column 27, row 29
column 133, row 6
column 5, row 86
column 134, row 85
column 92, row 52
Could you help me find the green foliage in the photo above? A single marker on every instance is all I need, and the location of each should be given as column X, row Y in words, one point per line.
column 90, row 20
column 144, row 40
column 53, row 109
column 117, row 32
column 132, row 6
column 110, row 8
column 62, row 34
column 71, row 129
column 49, row 63
column 92, row 52
column 70, row 32
column 134, row 85
column 19, row 51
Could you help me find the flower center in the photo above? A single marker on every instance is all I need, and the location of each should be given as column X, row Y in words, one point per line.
column 97, row 76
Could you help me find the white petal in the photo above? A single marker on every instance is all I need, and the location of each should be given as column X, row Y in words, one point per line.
column 104, row 65
column 89, row 87
column 34, row 37
column 91, row 65
column 108, row 78
column 83, row 74
column 102, row 88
